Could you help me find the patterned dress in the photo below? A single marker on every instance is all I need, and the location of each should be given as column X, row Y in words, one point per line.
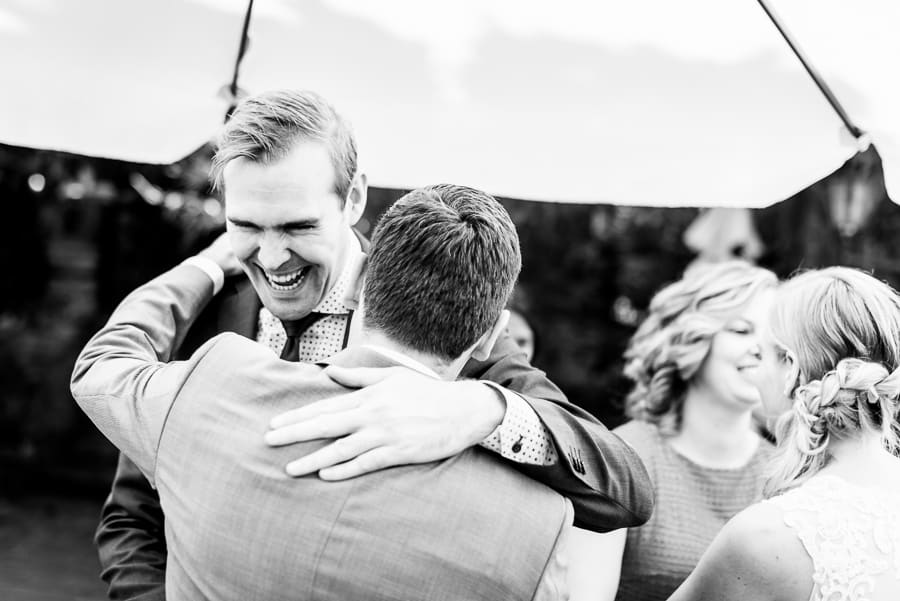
column 693, row 502
column 852, row 535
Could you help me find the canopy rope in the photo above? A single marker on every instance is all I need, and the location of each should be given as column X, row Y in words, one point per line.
column 242, row 50
column 820, row 83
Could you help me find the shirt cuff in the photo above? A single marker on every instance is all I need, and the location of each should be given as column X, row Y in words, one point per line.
column 521, row 436
column 209, row 267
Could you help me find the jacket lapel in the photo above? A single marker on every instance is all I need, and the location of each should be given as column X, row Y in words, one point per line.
column 239, row 309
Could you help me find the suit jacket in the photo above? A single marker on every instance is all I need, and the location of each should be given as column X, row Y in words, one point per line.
column 601, row 475
column 238, row 527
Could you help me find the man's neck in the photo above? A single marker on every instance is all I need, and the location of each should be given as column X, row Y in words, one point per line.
column 381, row 342
column 345, row 278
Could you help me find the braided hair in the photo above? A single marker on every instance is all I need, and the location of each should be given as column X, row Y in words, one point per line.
column 843, row 328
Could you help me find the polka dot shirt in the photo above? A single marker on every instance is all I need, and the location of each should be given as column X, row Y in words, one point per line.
column 325, row 337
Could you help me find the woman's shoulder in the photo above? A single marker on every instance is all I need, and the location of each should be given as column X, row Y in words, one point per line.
column 755, row 551
column 759, row 536
column 644, row 437
column 763, row 518
column 761, row 529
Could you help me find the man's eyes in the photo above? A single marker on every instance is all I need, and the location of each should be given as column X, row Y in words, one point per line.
column 244, row 226
column 289, row 229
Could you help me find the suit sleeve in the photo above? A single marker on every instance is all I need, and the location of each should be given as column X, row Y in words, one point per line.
column 122, row 379
column 130, row 537
column 600, row 473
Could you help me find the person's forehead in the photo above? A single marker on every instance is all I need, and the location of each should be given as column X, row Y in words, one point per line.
column 294, row 188
column 307, row 167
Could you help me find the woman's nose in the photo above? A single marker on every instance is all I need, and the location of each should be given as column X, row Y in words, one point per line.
column 756, row 351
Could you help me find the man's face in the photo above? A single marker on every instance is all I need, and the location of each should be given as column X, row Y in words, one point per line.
column 287, row 226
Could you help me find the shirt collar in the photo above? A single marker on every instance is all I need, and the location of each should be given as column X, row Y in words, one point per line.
column 336, row 301
column 402, row 359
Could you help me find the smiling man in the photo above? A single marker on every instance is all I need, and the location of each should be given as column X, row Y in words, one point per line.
column 287, row 163
column 290, row 226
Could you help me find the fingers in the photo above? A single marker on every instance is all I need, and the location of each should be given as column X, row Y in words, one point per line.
column 360, row 377
column 339, row 451
column 221, row 252
column 371, row 461
column 331, row 425
column 344, row 402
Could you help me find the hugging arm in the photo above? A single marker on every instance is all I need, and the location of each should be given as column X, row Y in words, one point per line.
column 130, row 537
column 600, row 473
column 397, row 417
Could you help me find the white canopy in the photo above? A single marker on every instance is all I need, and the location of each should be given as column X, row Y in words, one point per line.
column 646, row 102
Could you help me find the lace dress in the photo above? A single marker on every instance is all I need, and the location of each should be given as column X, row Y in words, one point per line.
column 852, row 535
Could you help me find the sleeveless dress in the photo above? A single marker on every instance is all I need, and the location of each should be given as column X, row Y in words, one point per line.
column 852, row 535
column 693, row 502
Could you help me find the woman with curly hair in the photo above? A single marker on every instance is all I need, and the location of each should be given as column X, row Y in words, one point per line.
column 691, row 361
column 831, row 527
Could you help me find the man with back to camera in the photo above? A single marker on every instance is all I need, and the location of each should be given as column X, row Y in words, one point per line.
column 444, row 260
column 287, row 163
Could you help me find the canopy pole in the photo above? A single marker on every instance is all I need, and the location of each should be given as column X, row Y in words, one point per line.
column 820, row 83
column 242, row 49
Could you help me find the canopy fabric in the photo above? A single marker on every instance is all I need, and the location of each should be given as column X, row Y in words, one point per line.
column 647, row 102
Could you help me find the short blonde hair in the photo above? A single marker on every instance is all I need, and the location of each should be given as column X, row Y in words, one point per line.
column 267, row 127
column 842, row 327
column 674, row 339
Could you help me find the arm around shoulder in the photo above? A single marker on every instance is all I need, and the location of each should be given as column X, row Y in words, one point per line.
column 602, row 475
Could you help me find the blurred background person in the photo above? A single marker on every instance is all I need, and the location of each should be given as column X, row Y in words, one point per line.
column 833, row 533
column 521, row 327
column 523, row 333
column 691, row 361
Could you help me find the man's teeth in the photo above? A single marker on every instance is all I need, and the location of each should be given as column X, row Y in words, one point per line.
column 286, row 282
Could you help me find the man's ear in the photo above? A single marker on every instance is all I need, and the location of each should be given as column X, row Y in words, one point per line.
column 357, row 197
column 484, row 346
